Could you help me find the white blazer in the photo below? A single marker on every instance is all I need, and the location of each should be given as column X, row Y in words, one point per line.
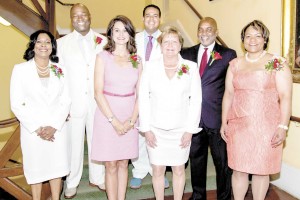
column 170, row 104
column 80, row 71
column 34, row 105
column 140, row 42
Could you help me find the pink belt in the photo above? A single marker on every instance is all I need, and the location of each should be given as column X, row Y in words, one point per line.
column 118, row 95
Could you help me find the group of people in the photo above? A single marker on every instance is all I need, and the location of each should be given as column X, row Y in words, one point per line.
column 141, row 97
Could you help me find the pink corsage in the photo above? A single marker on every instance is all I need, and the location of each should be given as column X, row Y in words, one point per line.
column 57, row 71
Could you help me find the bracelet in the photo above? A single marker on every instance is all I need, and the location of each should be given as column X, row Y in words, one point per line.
column 110, row 119
column 283, row 127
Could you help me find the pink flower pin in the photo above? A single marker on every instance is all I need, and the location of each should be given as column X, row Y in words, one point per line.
column 57, row 71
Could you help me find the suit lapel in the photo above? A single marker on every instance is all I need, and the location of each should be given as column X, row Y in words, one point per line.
column 195, row 54
column 35, row 80
column 210, row 65
column 53, row 85
column 75, row 48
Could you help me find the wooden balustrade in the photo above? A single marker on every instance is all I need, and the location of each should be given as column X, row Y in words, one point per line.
column 219, row 40
column 295, row 119
column 9, row 168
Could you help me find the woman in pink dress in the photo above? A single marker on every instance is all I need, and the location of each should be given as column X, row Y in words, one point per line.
column 117, row 72
column 256, row 112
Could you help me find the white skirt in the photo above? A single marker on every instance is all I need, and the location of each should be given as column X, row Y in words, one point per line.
column 44, row 160
column 168, row 151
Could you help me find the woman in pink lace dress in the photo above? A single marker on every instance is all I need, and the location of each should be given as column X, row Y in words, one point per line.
column 256, row 112
column 117, row 72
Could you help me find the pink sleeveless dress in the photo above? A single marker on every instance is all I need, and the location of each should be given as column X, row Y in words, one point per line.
column 119, row 86
column 252, row 121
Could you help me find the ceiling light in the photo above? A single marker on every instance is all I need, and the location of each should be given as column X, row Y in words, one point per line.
column 4, row 22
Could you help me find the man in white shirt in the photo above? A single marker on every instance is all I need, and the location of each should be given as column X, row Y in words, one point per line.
column 77, row 52
column 147, row 49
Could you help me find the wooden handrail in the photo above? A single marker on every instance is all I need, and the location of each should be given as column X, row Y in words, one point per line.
column 39, row 8
column 219, row 40
column 295, row 119
column 65, row 4
column 8, row 122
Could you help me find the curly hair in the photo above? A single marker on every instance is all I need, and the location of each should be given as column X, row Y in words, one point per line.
column 29, row 53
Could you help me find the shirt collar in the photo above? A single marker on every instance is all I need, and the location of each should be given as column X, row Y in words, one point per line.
column 209, row 48
column 88, row 36
column 155, row 34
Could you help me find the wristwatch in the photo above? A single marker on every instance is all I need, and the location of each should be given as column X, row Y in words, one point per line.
column 110, row 119
column 131, row 122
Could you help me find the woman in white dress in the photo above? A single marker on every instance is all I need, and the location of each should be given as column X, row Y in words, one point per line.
column 39, row 99
column 170, row 108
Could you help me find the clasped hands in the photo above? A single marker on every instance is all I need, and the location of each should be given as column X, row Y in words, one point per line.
column 152, row 142
column 122, row 128
column 46, row 133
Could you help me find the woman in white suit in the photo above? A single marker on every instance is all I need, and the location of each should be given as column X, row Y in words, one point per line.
column 39, row 99
column 170, row 109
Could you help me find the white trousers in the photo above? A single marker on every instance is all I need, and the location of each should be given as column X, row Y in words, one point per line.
column 141, row 165
column 77, row 129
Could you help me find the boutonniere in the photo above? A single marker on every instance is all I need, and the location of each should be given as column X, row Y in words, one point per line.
column 133, row 58
column 57, row 71
column 184, row 69
column 97, row 40
column 274, row 64
column 215, row 56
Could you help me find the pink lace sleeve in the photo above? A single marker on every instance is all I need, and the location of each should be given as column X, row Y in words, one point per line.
column 233, row 65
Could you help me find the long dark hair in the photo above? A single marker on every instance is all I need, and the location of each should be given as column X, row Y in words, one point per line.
column 131, row 46
column 29, row 53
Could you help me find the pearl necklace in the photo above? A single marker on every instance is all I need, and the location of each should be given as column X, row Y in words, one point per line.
column 43, row 71
column 256, row 59
column 171, row 67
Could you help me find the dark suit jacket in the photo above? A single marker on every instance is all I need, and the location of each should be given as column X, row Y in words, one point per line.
column 213, row 83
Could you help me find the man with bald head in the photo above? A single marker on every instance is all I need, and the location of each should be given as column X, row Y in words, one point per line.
column 213, row 60
column 77, row 52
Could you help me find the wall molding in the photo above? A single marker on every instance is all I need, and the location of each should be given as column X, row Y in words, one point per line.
column 289, row 180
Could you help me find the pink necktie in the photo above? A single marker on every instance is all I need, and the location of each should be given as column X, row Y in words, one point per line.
column 203, row 62
column 149, row 48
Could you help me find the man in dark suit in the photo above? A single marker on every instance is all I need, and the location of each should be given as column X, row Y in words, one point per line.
column 213, row 60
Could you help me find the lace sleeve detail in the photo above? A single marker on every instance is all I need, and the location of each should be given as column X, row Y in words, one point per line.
column 233, row 65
